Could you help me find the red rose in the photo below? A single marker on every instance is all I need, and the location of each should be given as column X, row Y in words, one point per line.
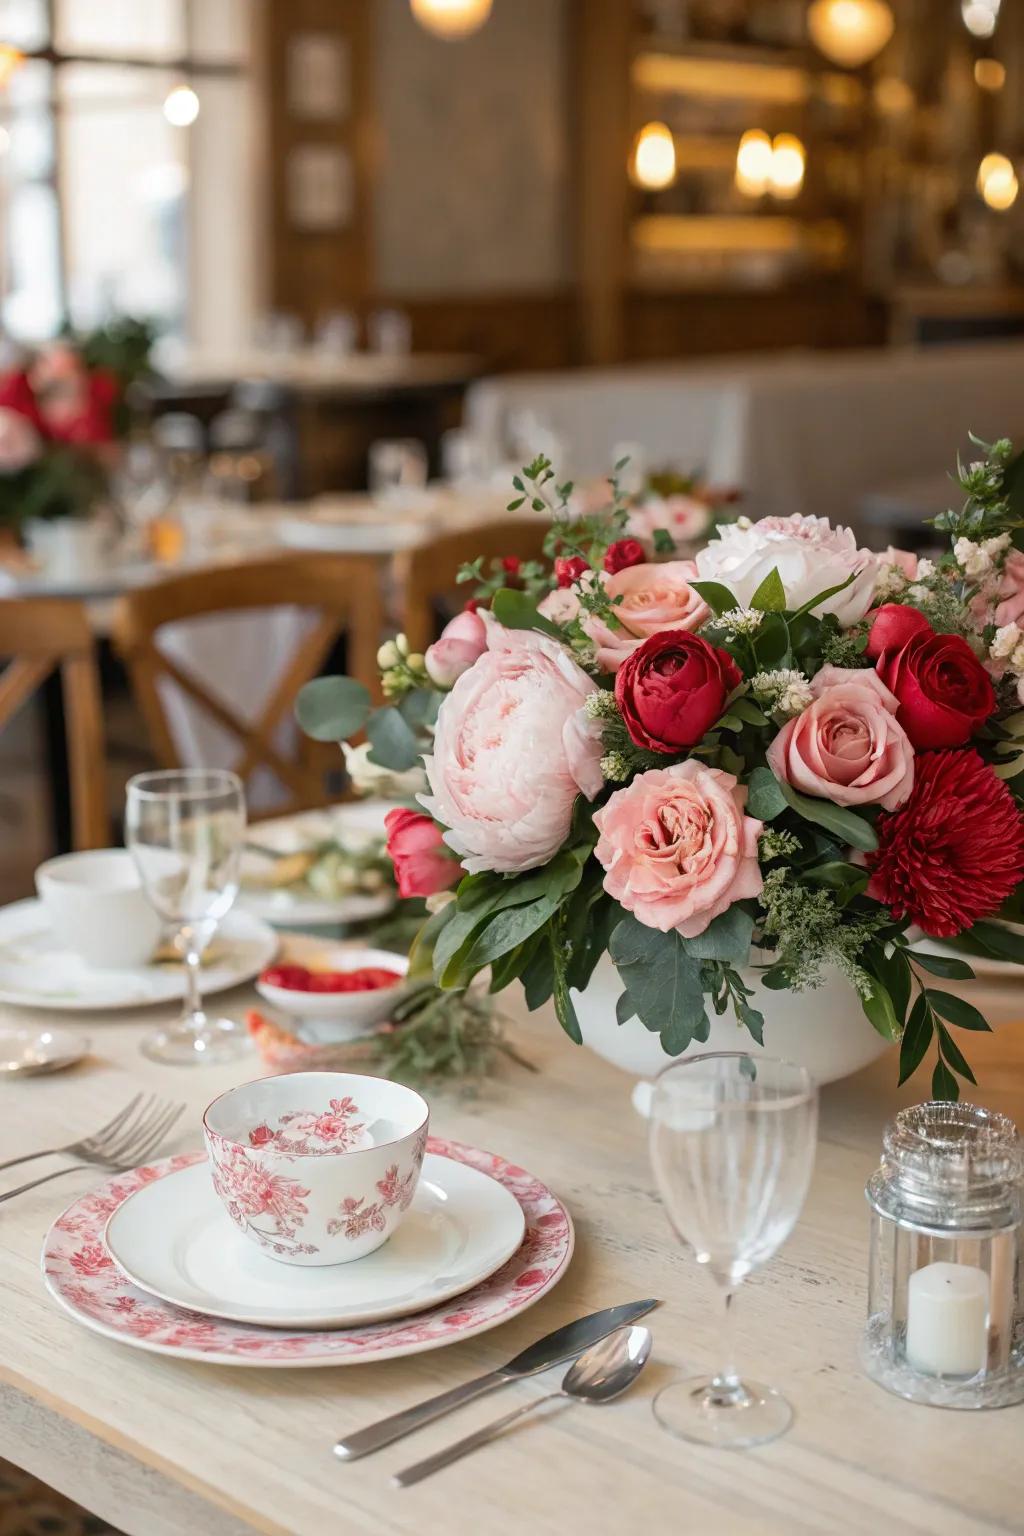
column 17, row 394
column 624, row 553
column 673, row 688
column 510, row 564
column 569, row 568
column 417, row 850
column 892, row 626
column 954, row 851
column 944, row 692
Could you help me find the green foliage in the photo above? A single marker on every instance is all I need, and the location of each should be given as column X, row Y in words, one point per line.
column 517, row 611
column 770, row 596
column 663, row 981
column 393, row 740
column 440, row 1036
column 813, row 929
column 332, row 708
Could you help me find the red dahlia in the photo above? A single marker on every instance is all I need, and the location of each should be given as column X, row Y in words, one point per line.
column 954, row 851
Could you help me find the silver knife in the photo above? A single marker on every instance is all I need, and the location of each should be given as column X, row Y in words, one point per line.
column 563, row 1344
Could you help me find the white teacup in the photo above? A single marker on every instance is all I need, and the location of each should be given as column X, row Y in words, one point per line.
column 97, row 907
column 317, row 1167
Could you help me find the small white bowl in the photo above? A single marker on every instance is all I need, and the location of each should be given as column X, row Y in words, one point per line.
column 317, row 1167
column 336, row 1016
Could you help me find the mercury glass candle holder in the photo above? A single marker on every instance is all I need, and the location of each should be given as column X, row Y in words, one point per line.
column 945, row 1321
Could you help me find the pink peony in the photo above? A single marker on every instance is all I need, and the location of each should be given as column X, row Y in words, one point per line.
column 654, row 598
column 809, row 554
column 462, row 640
column 678, row 848
column 847, row 746
column 20, row 444
column 1008, row 595
column 512, row 750
column 683, row 518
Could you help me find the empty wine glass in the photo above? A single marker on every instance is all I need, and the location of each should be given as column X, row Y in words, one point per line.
column 185, row 829
column 732, row 1142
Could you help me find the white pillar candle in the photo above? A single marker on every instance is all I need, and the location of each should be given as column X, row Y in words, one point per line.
column 947, row 1320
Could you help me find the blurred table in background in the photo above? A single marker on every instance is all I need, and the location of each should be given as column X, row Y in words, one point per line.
column 333, row 406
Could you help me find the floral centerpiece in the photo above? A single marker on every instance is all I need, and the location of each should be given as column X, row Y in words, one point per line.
column 61, row 414
column 789, row 752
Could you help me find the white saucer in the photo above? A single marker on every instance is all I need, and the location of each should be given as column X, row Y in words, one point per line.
column 356, row 824
column 174, row 1239
column 37, row 972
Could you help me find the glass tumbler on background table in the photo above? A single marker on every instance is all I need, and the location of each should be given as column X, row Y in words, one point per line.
column 185, row 829
column 732, row 1141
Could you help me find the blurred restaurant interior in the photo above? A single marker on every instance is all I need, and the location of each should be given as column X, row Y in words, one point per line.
column 311, row 278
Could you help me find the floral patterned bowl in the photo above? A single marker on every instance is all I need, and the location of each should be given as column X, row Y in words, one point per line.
column 317, row 1167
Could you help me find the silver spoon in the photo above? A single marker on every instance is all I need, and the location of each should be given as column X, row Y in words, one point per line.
column 602, row 1372
column 29, row 1052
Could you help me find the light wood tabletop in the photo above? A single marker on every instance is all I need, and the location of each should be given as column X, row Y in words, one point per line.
column 163, row 1448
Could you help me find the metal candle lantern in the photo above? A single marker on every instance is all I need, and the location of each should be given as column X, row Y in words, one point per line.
column 945, row 1310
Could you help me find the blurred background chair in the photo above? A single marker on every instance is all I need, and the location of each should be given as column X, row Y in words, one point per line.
column 430, row 592
column 49, row 645
column 216, row 658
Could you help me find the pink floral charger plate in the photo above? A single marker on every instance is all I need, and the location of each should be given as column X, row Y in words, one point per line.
column 81, row 1276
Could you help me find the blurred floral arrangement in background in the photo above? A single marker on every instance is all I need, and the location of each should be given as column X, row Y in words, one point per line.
column 63, row 411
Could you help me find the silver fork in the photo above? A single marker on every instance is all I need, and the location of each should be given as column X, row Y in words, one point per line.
column 122, row 1144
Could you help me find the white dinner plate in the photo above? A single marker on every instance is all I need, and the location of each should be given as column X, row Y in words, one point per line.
column 174, row 1239
column 36, row 971
column 360, row 822
column 82, row 1278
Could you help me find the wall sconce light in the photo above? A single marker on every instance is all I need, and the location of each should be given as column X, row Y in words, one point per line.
column 451, row 19
column 788, row 162
column 980, row 16
column 770, row 165
column 850, row 32
column 989, row 74
column 754, row 163
column 653, row 163
column 997, row 182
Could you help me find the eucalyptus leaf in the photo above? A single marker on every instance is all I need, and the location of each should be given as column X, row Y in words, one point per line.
column 332, row 708
column 765, row 799
column 624, row 1010
column 663, row 980
column 393, row 742
column 726, row 938
column 507, row 930
column 770, row 595
column 846, row 824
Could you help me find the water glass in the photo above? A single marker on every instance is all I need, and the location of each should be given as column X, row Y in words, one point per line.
column 732, row 1140
column 185, row 829
column 397, row 469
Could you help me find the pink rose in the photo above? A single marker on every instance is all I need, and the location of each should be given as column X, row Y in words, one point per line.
column 678, row 848
column 416, row 848
column 654, row 598
column 848, row 746
column 462, row 640
column 1009, row 594
column 683, row 518
column 561, row 605
column 19, row 442
column 903, row 560
column 512, row 750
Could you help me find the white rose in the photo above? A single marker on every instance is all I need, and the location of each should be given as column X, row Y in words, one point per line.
column 809, row 555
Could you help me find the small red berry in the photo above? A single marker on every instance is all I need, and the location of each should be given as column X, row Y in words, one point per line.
column 569, row 569
column 510, row 565
column 621, row 555
column 471, row 605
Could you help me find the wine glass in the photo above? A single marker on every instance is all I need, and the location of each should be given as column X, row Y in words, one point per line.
column 185, row 829
column 732, row 1141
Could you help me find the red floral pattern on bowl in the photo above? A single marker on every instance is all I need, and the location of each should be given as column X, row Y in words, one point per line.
column 83, row 1278
column 314, row 1186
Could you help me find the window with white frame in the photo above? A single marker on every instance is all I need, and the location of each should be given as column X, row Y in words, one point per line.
column 127, row 166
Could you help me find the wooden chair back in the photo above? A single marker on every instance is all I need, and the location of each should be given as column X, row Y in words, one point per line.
column 428, row 574
column 40, row 636
column 342, row 590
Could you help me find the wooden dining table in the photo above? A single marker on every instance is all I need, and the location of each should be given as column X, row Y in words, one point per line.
column 160, row 1447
